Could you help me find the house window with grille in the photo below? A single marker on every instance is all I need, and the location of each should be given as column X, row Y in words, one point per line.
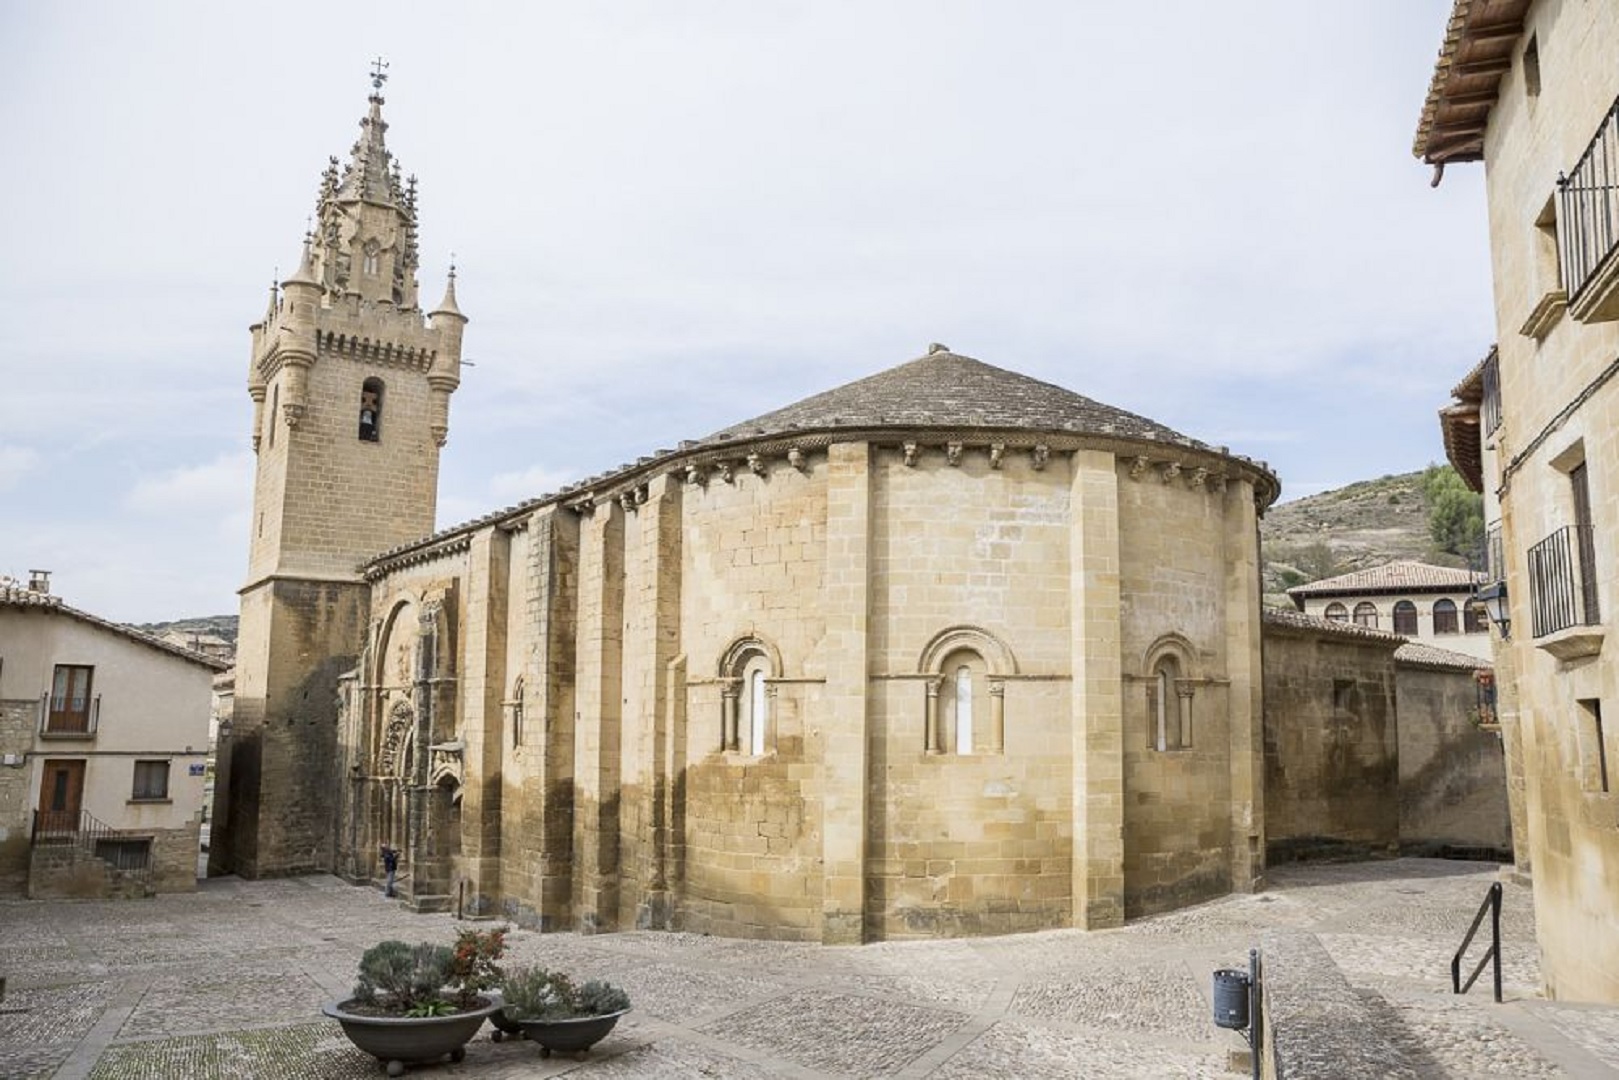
column 151, row 781
column 1366, row 614
column 1405, row 618
column 1444, row 617
column 1337, row 612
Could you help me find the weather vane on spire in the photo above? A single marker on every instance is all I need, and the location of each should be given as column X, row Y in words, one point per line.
column 379, row 73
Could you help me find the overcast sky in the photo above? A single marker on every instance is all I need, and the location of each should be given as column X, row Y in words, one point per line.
column 671, row 216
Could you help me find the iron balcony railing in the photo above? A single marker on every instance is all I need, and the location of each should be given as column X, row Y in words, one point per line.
column 1495, row 554
column 65, row 717
column 1491, row 406
column 1588, row 208
column 1562, row 587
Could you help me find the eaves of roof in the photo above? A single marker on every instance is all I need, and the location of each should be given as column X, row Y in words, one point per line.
column 28, row 600
column 1476, row 53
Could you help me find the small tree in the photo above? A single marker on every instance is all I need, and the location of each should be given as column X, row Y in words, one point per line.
column 1455, row 513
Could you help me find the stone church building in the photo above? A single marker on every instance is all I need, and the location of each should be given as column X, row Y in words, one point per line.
column 946, row 650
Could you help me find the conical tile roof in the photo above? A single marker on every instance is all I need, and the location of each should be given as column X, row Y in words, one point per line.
column 946, row 390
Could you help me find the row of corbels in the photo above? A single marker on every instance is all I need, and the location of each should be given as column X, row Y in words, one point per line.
column 1170, row 471
column 1039, row 454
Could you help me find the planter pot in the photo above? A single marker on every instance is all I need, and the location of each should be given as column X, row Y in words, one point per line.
column 575, row 1036
column 504, row 1028
column 398, row 1041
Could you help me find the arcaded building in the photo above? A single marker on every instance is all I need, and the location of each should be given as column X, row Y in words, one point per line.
column 946, row 650
column 1531, row 88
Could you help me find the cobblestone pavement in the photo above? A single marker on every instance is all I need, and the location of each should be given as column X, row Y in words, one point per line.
column 228, row 982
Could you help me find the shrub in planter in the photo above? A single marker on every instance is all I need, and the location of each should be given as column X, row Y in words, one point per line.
column 419, row 1003
column 557, row 1013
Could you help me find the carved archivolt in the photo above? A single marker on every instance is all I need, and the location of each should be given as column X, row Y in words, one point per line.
column 1171, row 644
column 736, row 656
column 995, row 652
column 394, row 739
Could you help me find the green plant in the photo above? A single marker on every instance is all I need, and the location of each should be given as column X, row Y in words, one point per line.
column 597, row 998
column 1455, row 513
column 436, row 1007
column 474, row 965
column 537, row 994
column 401, row 977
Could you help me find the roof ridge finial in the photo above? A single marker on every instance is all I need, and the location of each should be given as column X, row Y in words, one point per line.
column 379, row 75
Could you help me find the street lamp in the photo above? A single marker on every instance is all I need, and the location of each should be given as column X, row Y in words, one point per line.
column 1494, row 599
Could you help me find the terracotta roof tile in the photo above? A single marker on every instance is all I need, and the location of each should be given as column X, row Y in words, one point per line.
column 1282, row 619
column 1417, row 654
column 1401, row 575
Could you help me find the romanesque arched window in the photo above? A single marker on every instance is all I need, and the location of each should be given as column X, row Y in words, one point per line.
column 1366, row 614
column 1337, row 612
column 747, row 697
column 1405, row 618
column 1444, row 616
column 371, row 410
column 1169, row 694
column 962, row 713
column 965, row 670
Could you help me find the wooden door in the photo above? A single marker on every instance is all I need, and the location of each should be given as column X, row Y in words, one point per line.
column 61, row 794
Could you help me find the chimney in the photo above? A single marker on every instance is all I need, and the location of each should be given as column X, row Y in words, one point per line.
column 39, row 581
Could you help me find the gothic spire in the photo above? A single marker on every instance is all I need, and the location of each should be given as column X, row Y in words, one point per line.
column 370, row 174
column 447, row 306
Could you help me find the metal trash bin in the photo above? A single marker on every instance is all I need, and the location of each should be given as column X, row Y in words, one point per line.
column 1231, row 999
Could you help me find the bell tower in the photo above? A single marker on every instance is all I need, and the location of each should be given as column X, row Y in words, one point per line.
column 351, row 383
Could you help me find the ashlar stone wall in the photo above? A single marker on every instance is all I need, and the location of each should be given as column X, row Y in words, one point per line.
column 1332, row 769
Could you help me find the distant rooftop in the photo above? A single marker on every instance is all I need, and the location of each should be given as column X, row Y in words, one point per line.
column 1298, row 622
column 1418, row 654
column 1402, row 575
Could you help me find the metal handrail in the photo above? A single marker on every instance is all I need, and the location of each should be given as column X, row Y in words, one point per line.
column 85, row 831
column 1492, row 904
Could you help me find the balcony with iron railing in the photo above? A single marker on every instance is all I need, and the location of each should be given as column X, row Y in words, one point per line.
column 1563, row 593
column 1495, row 554
column 1588, row 225
column 64, row 717
column 1490, row 406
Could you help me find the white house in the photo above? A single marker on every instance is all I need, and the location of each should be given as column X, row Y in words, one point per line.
column 1433, row 605
column 103, row 742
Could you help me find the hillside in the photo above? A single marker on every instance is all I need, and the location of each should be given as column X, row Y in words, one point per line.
column 221, row 626
column 1349, row 528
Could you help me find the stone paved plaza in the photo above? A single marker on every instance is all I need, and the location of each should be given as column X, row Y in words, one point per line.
column 228, row 983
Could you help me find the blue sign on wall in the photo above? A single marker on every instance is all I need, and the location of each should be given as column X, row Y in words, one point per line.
column 196, row 770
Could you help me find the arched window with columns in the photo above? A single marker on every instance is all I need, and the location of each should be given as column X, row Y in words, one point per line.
column 1170, row 691
column 747, row 697
column 965, row 670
